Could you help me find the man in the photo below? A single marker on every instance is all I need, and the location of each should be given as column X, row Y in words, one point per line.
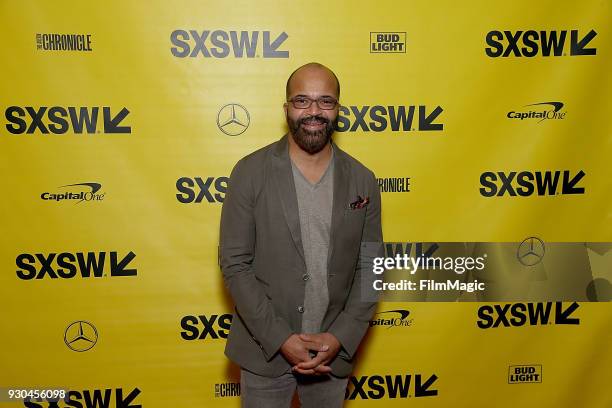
column 295, row 216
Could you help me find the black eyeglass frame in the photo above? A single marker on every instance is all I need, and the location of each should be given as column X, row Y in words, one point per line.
column 292, row 100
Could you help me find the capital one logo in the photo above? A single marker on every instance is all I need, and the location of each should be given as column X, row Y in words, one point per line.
column 88, row 192
column 223, row 44
column 532, row 43
column 553, row 112
column 61, row 120
column 392, row 318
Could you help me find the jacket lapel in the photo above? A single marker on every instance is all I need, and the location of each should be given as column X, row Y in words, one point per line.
column 283, row 177
column 340, row 198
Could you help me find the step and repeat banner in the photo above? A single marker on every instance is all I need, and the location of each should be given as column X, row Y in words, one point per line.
column 487, row 125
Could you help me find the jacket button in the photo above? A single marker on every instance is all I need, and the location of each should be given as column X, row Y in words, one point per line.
column 301, row 309
column 305, row 277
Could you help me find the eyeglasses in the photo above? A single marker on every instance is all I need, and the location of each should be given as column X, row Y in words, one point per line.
column 303, row 102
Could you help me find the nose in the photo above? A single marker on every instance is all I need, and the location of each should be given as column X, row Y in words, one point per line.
column 314, row 109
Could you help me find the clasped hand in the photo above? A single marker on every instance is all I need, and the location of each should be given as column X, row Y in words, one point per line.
column 296, row 350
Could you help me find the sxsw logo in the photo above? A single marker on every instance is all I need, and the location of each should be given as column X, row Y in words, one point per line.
column 61, row 120
column 526, row 183
column 108, row 397
column 390, row 386
column 415, row 250
column 222, row 44
column 200, row 327
column 196, row 190
column 532, row 43
column 519, row 374
column 378, row 118
column 530, row 314
column 387, row 42
column 68, row 265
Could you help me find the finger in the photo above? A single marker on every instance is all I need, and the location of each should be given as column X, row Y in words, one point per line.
column 312, row 372
column 316, row 346
column 323, row 369
column 305, row 372
column 320, row 370
column 297, row 359
column 302, row 357
column 312, row 363
column 313, row 339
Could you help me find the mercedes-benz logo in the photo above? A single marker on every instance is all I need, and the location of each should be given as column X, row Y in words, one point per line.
column 531, row 251
column 233, row 119
column 80, row 336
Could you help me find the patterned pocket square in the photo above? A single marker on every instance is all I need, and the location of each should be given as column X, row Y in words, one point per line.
column 359, row 203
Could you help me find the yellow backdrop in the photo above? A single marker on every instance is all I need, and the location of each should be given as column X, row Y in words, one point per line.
column 122, row 121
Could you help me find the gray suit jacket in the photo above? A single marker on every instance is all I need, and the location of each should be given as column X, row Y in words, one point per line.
column 262, row 258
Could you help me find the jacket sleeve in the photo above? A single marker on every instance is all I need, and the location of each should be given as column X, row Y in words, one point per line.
column 352, row 322
column 236, row 247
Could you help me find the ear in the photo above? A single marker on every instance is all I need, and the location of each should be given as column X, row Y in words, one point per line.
column 285, row 107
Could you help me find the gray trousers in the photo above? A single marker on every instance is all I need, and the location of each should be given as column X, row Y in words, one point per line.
column 256, row 391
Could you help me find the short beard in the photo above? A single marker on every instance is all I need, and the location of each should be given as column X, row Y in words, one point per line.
column 311, row 142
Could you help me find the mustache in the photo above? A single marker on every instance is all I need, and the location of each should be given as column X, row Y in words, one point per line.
column 318, row 118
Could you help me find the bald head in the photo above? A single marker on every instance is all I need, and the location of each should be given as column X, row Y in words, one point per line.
column 311, row 70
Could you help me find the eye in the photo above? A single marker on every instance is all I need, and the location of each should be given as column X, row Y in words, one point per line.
column 328, row 102
column 300, row 101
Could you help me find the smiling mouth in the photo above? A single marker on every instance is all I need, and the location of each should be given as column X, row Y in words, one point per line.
column 313, row 123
